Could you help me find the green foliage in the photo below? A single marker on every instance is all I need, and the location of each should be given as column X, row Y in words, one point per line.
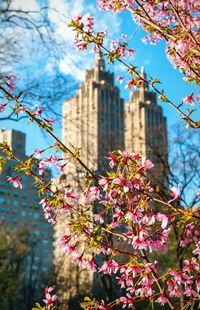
column 13, row 248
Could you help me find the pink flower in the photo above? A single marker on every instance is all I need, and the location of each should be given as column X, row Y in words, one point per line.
column 130, row 52
column 198, row 98
column 190, row 265
column 91, row 265
column 113, row 160
column 188, row 291
column 47, row 212
column 104, row 182
column 137, row 183
column 175, row 194
column 130, row 84
column 109, row 266
column 78, row 259
column 10, row 83
column 92, row 193
column 197, row 250
column 122, row 181
column 44, row 202
column 163, row 218
column 135, row 215
column 15, row 181
column 162, row 300
column 20, row 110
column 42, row 167
column 120, row 79
column 126, row 156
column 40, row 111
column 52, row 220
column 99, row 217
column 49, row 122
column 147, row 164
column 198, row 192
column 189, row 99
column 50, row 300
column 70, row 196
column 48, row 290
column 2, row 107
column 79, row 18
column 38, row 153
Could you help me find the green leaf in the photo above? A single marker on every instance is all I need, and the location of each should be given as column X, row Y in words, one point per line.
column 87, row 298
column 156, row 81
column 163, row 98
column 38, row 307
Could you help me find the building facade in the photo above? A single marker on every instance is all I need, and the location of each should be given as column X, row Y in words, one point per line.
column 146, row 130
column 20, row 208
column 94, row 119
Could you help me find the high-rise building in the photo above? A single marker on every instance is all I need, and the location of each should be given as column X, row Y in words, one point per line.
column 20, row 208
column 146, row 130
column 93, row 120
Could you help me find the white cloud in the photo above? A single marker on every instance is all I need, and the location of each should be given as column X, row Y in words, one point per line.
column 75, row 63
column 30, row 5
column 33, row 55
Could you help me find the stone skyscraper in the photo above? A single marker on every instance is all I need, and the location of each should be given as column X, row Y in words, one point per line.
column 94, row 119
column 146, row 130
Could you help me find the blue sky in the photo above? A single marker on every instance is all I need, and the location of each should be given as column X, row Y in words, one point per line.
column 36, row 62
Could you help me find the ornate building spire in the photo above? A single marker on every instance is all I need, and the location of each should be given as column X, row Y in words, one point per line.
column 99, row 65
column 146, row 128
column 145, row 86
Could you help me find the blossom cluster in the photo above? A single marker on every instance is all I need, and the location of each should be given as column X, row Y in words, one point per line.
column 127, row 217
column 176, row 22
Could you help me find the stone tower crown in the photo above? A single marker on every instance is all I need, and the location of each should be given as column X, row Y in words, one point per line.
column 99, row 73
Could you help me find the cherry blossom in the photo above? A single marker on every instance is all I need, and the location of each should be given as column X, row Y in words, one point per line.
column 189, row 99
column 2, row 107
column 162, row 300
column 120, row 79
column 16, row 181
column 38, row 153
column 49, row 299
column 175, row 194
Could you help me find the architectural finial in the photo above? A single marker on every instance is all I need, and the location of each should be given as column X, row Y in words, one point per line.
column 143, row 74
column 99, row 66
column 99, row 61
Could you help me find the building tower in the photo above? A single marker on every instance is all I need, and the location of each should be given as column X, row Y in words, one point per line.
column 146, row 129
column 20, row 208
column 93, row 121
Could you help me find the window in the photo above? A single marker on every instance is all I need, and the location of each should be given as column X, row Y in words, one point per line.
column 45, row 241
